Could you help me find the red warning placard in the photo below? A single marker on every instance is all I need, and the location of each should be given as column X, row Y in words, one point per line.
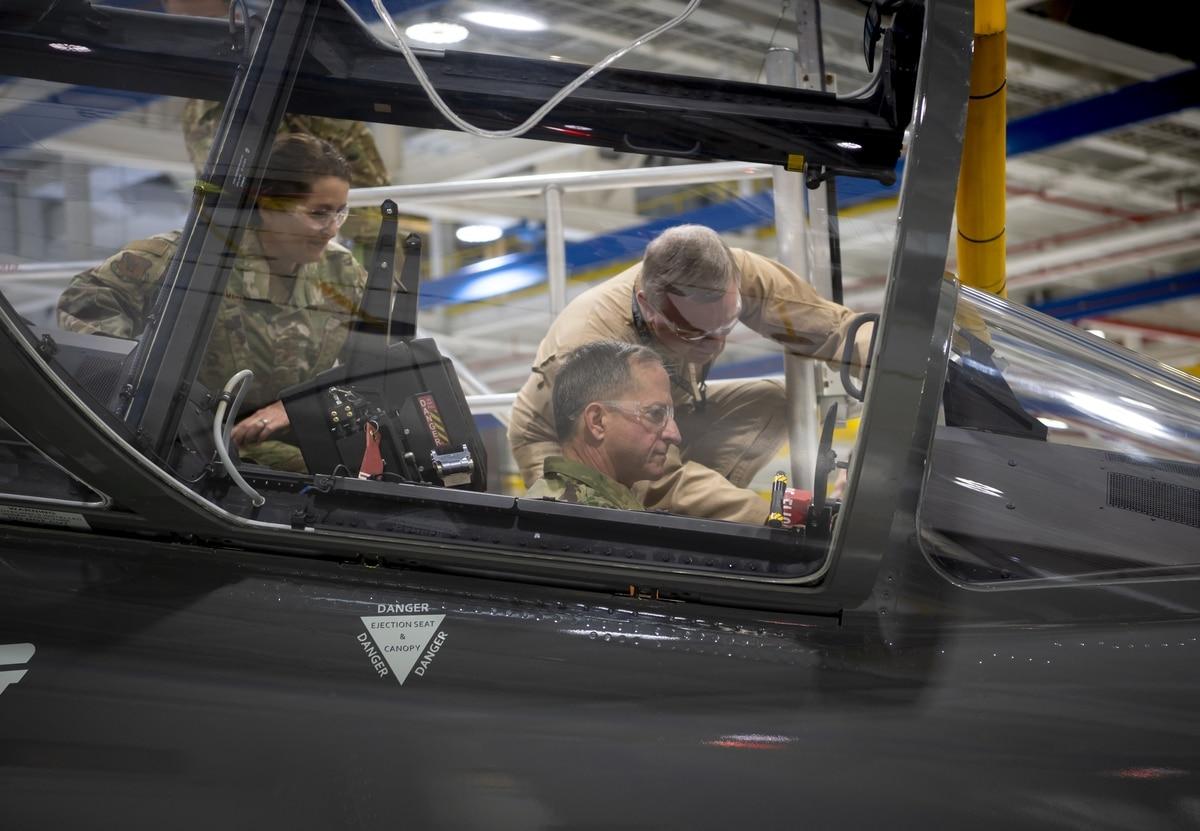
column 433, row 420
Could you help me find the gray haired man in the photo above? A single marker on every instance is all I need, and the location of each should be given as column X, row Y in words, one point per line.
column 682, row 301
column 614, row 418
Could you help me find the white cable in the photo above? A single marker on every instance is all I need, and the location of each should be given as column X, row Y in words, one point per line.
column 221, row 436
column 554, row 101
column 236, row 406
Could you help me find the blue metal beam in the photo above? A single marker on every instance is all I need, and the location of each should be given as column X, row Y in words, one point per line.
column 1120, row 108
column 769, row 364
column 1079, row 119
column 1125, row 106
column 1084, row 305
column 1127, row 296
column 65, row 110
column 77, row 106
column 514, row 272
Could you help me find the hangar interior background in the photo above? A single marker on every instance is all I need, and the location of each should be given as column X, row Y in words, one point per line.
column 1103, row 177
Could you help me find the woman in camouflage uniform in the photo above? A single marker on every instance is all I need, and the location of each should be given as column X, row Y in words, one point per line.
column 290, row 297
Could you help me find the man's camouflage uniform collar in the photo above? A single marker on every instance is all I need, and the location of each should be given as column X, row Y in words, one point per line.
column 606, row 488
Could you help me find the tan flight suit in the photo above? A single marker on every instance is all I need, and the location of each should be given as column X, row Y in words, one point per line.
column 350, row 138
column 570, row 481
column 282, row 342
column 741, row 425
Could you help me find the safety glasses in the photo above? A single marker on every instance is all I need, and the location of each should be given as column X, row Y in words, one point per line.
column 323, row 217
column 692, row 334
column 654, row 416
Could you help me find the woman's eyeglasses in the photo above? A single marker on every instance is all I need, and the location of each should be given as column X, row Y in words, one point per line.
column 324, row 217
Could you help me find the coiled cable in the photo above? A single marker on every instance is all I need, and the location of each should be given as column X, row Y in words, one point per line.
column 222, row 429
column 541, row 112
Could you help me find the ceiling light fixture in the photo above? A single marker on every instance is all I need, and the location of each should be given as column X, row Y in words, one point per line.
column 437, row 32
column 472, row 234
column 505, row 20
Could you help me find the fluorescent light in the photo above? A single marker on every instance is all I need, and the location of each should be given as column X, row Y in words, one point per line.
column 1097, row 332
column 505, row 20
column 69, row 47
column 494, row 285
column 849, row 145
column 478, row 233
column 437, row 32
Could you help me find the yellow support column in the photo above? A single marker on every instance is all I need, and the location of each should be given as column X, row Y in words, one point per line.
column 981, row 179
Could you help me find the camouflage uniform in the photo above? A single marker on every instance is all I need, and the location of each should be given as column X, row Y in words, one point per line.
column 351, row 138
column 740, row 424
column 283, row 343
column 568, row 481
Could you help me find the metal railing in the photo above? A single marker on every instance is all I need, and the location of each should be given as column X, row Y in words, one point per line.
column 553, row 187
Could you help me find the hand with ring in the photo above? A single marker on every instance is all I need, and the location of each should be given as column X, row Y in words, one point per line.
column 261, row 425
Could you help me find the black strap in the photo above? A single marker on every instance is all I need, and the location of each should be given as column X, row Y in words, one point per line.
column 702, row 387
column 647, row 337
column 639, row 323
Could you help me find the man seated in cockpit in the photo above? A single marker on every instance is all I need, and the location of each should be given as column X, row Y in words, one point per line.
column 615, row 421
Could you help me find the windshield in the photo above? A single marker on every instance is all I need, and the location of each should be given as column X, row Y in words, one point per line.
column 724, row 42
column 1060, row 455
column 301, row 310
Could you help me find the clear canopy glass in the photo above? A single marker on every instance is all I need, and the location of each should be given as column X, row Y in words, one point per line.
column 1060, row 455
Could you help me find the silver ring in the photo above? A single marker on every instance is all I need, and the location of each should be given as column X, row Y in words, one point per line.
column 264, row 421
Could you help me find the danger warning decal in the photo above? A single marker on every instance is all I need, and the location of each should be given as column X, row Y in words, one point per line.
column 401, row 645
column 433, row 420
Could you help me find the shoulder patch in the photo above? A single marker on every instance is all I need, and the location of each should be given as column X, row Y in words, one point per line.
column 160, row 245
column 340, row 299
column 130, row 266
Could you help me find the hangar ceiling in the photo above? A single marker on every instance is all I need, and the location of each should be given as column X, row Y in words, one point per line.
column 1100, row 212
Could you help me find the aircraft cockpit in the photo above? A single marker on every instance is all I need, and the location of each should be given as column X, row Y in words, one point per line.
column 410, row 420
column 388, row 358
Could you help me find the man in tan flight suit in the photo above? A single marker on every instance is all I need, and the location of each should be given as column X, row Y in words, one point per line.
column 614, row 417
column 682, row 301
